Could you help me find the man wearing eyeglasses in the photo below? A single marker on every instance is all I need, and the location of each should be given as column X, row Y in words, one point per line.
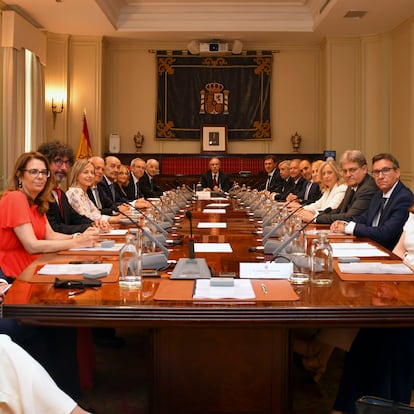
column 62, row 217
column 384, row 219
column 361, row 188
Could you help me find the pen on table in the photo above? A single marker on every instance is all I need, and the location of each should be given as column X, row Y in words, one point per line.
column 264, row 288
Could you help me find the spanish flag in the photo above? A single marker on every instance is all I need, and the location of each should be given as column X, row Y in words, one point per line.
column 84, row 149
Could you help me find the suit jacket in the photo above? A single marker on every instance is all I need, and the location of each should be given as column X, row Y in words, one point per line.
column 104, row 186
column 313, row 194
column 298, row 186
column 223, row 180
column 71, row 222
column 149, row 187
column 130, row 189
column 285, row 190
column 107, row 204
column 276, row 183
column 351, row 210
column 392, row 219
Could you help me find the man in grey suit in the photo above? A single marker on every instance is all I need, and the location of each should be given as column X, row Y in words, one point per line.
column 361, row 189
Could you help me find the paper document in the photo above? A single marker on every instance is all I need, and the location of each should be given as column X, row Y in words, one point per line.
column 115, row 232
column 375, row 267
column 218, row 205
column 269, row 270
column 212, row 248
column 74, row 269
column 214, row 211
column 242, row 289
column 209, row 225
column 116, row 248
column 356, row 249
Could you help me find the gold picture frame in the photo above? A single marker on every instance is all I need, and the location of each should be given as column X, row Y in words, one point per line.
column 213, row 138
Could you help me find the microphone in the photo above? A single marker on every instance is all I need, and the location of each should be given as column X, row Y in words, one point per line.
column 153, row 222
column 295, row 235
column 191, row 254
column 191, row 268
column 146, row 232
column 169, row 219
column 269, row 219
column 279, row 225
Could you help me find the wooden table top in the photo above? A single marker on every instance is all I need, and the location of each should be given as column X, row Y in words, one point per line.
column 345, row 303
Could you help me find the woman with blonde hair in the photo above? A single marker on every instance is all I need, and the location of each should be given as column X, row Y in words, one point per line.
column 123, row 180
column 83, row 177
column 333, row 191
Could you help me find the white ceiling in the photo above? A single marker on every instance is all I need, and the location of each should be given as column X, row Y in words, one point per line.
column 179, row 21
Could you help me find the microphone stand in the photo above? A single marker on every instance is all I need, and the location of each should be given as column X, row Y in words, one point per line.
column 295, row 235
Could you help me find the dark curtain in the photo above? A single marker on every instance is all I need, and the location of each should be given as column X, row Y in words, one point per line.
column 214, row 90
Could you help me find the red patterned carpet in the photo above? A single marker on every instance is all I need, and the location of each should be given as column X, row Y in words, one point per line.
column 121, row 381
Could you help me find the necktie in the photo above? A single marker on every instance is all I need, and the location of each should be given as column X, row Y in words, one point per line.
column 111, row 186
column 214, row 180
column 377, row 217
column 137, row 191
column 97, row 198
column 59, row 200
column 308, row 187
column 348, row 200
column 269, row 178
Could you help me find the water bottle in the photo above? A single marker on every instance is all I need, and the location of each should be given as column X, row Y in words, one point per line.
column 130, row 263
column 322, row 260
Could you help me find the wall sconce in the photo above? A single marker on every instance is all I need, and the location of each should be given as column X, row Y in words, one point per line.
column 56, row 111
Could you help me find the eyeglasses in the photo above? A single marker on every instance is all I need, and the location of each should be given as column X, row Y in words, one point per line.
column 35, row 173
column 350, row 170
column 384, row 171
column 59, row 162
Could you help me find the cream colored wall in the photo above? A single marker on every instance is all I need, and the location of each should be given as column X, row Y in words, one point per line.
column 131, row 83
column 402, row 99
column 346, row 93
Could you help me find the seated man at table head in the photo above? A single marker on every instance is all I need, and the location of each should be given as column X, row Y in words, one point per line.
column 62, row 217
column 25, row 231
column 387, row 212
column 361, row 188
column 273, row 182
column 147, row 183
column 214, row 179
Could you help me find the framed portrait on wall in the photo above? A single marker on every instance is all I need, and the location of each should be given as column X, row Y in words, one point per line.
column 213, row 138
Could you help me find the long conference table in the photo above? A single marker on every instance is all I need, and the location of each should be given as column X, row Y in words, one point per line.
column 215, row 356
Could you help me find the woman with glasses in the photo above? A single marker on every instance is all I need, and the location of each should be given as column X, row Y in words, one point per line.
column 25, row 230
column 25, row 233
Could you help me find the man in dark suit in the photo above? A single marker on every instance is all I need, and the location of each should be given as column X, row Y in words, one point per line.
column 387, row 212
column 137, row 167
column 96, row 193
column 286, row 182
column 214, row 179
column 274, row 182
column 108, row 183
column 361, row 189
column 298, row 180
column 148, row 186
column 310, row 191
column 62, row 217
